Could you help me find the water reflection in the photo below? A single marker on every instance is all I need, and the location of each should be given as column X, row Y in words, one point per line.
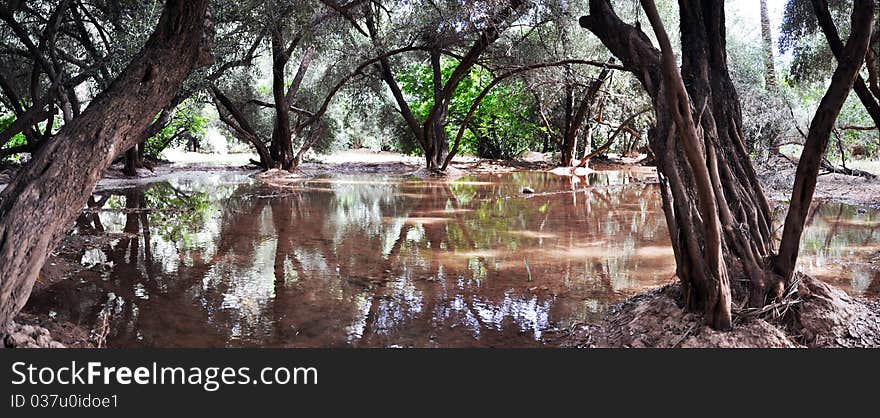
column 376, row 260
column 842, row 246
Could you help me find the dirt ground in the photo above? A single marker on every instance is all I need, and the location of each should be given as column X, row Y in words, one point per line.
column 777, row 176
column 824, row 317
column 394, row 164
column 38, row 331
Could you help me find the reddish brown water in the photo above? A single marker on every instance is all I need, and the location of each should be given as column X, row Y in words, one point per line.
column 377, row 261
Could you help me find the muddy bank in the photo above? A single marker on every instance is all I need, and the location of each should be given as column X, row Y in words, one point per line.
column 354, row 162
column 114, row 178
column 777, row 176
column 33, row 331
column 825, row 317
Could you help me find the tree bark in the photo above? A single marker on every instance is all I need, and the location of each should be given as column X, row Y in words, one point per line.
column 767, row 38
column 40, row 204
column 718, row 216
column 281, row 146
column 716, row 211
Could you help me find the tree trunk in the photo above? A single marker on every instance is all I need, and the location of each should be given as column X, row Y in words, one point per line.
column 232, row 117
column 718, row 217
column 42, row 202
column 281, row 147
column 436, row 139
column 767, row 44
column 566, row 150
column 132, row 162
column 134, row 156
column 850, row 62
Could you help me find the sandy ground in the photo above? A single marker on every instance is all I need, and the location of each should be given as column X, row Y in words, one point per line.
column 390, row 163
column 822, row 316
column 777, row 177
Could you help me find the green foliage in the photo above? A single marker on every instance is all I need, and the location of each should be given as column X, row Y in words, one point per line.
column 16, row 140
column 176, row 214
column 812, row 59
column 186, row 125
column 501, row 128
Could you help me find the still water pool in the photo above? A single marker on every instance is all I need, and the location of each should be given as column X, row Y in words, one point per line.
column 218, row 260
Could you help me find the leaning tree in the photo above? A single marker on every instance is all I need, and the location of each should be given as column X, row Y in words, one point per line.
column 718, row 216
column 41, row 203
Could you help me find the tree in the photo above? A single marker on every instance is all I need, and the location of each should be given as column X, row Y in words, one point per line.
column 850, row 60
column 233, row 53
column 39, row 205
column 718, row 216
column 576, row 113
column 50, row 50
column 500, row 129
column 430, row 132
column 767, row 37
column 802, row 20
column 291, row 26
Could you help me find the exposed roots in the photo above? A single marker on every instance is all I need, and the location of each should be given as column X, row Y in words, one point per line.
column 776, row 311
column 815, row 315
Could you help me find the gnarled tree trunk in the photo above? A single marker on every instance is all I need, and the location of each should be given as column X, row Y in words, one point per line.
column 718, row 217
column 717, row 214
column 38, row 207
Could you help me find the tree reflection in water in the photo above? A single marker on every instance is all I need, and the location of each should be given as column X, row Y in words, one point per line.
column 376, row 261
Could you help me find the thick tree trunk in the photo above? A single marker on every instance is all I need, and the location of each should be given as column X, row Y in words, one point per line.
column 718, row 217
column 132, row 162
column 42, row 202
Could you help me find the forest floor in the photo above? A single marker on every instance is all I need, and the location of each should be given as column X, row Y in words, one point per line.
column 823, row 316
column 362, row 161
column 778, row 173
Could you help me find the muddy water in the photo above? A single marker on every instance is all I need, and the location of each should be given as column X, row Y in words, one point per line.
column 842, row 247
column 378, row 261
